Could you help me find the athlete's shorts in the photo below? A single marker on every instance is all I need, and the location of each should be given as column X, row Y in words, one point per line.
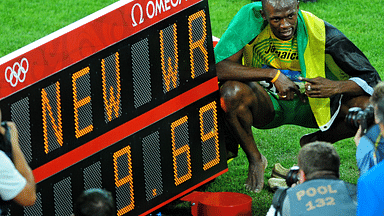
column 293, row 112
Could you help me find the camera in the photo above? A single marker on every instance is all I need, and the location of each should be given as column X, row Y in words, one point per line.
column 357, row 116
column 292, row 176
column 5, row 141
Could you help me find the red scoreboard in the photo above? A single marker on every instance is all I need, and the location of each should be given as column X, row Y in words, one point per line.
column 124, row 99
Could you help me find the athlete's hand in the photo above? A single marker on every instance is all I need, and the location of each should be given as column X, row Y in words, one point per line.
column 287, row 88
column 320, row 87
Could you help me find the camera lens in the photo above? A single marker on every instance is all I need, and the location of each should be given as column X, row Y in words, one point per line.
column 292, row 176
column 357, row 117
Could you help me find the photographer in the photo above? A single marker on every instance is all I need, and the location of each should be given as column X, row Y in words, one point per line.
column 95, row 202
column 16, row 177
column 370, row 192
column 320, row 190
column 370, row 145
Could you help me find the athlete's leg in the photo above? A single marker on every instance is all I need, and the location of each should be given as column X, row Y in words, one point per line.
column 246, row 106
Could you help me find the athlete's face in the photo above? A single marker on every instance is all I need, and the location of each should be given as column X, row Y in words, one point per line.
column 282, row 17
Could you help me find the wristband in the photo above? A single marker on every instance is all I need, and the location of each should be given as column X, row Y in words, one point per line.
column 276, row 77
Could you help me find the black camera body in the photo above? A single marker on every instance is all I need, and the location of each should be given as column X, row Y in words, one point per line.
column 357, row 116
column 292, row 176
column 5, row 141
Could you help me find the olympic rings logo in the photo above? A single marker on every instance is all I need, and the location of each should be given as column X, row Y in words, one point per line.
column 17, row 73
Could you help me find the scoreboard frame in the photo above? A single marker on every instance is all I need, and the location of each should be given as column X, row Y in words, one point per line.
column 126, row 98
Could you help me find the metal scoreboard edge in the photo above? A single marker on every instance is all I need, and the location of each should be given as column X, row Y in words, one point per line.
column 134, row 110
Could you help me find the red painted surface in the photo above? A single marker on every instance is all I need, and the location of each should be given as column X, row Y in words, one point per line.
column 219, row 203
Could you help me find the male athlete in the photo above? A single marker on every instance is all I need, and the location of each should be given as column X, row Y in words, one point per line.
column 279, row 65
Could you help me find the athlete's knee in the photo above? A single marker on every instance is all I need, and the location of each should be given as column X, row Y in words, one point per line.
column 232, row 95
column 360, row 101
column 349, row 102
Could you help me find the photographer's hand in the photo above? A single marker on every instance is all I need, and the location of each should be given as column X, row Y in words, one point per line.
column 27, row 196
column 357, row 136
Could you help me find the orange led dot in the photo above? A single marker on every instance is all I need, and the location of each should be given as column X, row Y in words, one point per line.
column 213, row 133
column 170, row 72
column 197, row 44
column 113, row 104
column 55, row 122
column 126, row 179
column 78, row 103
column 154, row 193
column 176, row 152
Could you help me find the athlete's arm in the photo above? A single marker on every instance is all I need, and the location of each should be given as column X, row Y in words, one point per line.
column 325, row 88
column 232, row 69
